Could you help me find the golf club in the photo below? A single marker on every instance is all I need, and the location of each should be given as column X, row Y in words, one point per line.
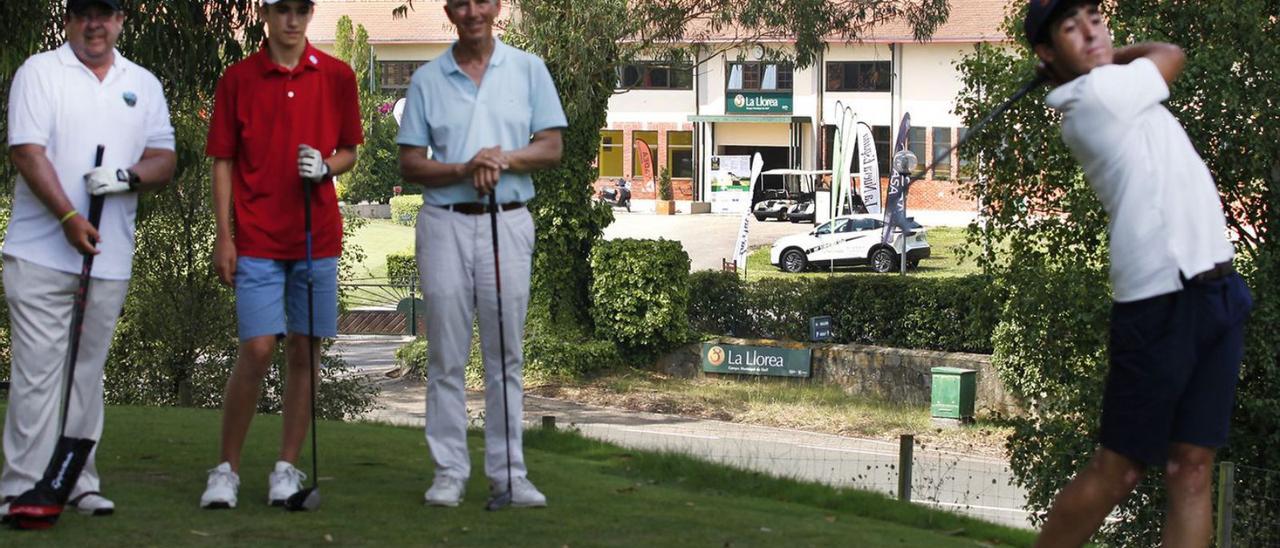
column 308, row 498
column 1022, row 92
column 501, row 500
column 40, row 506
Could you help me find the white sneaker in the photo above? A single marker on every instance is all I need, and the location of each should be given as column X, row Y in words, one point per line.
column 523, row 493
column 445, row 491
column 221, row 490
column 284, row 481
column 92, row 503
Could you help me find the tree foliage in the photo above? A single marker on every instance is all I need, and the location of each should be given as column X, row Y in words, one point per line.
column 376, row 171
column 1044, row 236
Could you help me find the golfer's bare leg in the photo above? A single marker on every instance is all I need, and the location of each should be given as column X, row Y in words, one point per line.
column 1081, row 506
column 1189, row 481
column 297, row 395
column 240, row 400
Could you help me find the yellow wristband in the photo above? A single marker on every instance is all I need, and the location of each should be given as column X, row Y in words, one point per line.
column 69, row 215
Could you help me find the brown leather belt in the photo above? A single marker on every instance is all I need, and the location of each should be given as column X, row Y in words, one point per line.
column 477, row 208
column 1219, row 271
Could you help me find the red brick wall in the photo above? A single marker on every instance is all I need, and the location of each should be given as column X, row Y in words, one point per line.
column 681, row 189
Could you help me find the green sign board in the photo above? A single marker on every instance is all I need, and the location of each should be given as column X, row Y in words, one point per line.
column 756, row 360
column 758, row 102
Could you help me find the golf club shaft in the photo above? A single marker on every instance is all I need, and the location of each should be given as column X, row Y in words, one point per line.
column 81, row 301
column 502, row 343
column 1022, row 92
column 311, row 340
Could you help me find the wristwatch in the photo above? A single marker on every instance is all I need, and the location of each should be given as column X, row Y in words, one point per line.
column 128, row 175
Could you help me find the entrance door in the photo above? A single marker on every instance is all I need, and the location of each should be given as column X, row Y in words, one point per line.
column 770, row 186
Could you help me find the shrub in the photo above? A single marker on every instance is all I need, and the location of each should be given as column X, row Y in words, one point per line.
column 640, row 293
column 664, row 184
column 716, row 303
column 412, row 358
column 944, row 314
column 402, row 268
column 404, row 209
column 554, row 356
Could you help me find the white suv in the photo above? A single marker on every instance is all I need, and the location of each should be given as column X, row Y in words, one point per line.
column 848, row 240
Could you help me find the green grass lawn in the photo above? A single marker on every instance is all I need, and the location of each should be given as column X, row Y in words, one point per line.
column 153, row 462
column 944, row 260
column 377, row 238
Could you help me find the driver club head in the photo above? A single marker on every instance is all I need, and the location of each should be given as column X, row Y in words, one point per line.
column 498, row 502
column 305, row 500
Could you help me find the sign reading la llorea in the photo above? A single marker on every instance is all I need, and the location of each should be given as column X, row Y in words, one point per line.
column 756, row 360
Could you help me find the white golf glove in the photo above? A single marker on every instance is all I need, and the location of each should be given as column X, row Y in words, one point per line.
column 311, row 164
column 105, row 180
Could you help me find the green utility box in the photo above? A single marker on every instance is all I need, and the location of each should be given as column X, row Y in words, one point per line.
column 954, row 390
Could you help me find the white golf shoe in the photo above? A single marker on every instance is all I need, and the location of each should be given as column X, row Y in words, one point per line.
column 92, row 503
column 445, row 491
column 523, row 493
column 285, row 480
column 221, row 489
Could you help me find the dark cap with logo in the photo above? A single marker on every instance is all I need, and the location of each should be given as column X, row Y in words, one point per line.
column 77, row 6
column 1041, row 14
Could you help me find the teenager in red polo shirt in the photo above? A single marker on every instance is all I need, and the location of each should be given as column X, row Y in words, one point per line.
column 285, row 114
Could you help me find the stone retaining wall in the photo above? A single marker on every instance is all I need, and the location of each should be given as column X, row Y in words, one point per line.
column 892, row 374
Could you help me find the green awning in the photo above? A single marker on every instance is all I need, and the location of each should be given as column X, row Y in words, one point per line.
column 751, row 119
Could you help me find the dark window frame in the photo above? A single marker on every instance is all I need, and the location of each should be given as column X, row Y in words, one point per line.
column 679, row 77
column 859, row 76
column 397, row 71
column 753, row 74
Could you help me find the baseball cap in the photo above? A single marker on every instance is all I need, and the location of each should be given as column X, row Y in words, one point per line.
column 1040, row 13
column 80, row 5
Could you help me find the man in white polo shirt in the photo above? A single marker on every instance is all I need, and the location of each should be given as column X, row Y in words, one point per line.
column 63, row 104
column 1177, row 321
column 491, row 116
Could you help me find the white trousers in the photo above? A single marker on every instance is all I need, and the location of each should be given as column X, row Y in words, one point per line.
column 456, row 261
column 41, row 301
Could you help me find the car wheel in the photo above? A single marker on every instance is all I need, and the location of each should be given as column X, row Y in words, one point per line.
column 883, row 260
column 760, row 217
column 793, row 260
column 913, row 264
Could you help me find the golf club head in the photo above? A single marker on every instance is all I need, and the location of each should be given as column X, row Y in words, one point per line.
column 498, row 502
column 305, row 500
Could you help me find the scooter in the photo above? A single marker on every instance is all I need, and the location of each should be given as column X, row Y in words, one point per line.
column 618, row 196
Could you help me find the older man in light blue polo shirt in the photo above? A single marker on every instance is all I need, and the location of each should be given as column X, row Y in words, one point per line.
column 489, row 115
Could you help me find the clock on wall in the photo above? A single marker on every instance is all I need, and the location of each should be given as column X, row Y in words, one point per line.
column 757, row 52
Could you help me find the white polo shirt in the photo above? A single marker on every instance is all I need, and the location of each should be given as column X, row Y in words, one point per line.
column 1165, row 213
column 58, row 103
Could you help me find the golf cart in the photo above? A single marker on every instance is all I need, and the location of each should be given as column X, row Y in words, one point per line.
column 797, row 203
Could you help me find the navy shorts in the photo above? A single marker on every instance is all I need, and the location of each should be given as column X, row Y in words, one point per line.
column 1175, row 359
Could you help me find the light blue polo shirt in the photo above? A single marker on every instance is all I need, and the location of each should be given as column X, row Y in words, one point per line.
column 446, row 112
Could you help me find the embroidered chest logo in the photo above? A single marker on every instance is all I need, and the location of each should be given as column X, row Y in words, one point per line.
column 130, row 98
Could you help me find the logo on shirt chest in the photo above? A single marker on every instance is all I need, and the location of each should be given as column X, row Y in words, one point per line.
column 130, row 98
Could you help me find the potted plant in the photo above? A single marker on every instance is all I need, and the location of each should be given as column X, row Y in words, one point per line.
column 665, row 205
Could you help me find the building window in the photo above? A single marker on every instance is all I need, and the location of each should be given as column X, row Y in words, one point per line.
column 916, row 143
column 884, row 144
column 655, row 76
column 680, row 153
column 858, row 76
column 755, row 76
column 650, row 138
column 965, row 170
column 941, row 142
column 610, row 159
column 395, row 75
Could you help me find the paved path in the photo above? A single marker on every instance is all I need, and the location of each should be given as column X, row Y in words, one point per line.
column 706, row 238
column 972, row 485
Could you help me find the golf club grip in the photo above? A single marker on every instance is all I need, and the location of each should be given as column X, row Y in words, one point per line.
column 1022, row 92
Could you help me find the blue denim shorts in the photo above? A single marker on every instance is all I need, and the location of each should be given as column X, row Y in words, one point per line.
column 1175, row 359
column 272, row 294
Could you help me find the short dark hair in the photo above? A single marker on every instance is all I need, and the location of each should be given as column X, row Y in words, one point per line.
column 1042, row 15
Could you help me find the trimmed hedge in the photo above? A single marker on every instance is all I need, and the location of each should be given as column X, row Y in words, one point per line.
column 640, row 294
column 556, row 356
column 404, row 209
column 402, row 268
column 945, row 314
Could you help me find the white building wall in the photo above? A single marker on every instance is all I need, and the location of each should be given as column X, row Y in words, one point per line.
column 931, row 82
column 648, row 105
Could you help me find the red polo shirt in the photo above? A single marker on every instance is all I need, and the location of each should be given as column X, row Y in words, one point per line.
column 261, row 113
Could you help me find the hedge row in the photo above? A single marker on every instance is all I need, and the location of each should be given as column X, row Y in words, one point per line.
column 946, row 314
column 404, row 209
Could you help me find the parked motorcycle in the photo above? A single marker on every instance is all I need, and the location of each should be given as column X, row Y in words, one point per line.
column 618, row 196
